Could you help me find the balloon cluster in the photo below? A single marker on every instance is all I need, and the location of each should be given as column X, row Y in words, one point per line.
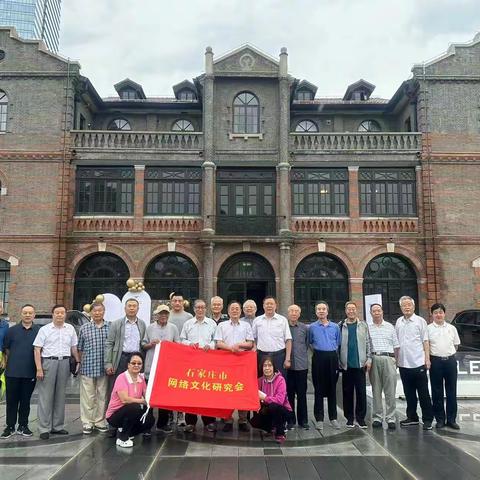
column 88, row 306
column 134, row 286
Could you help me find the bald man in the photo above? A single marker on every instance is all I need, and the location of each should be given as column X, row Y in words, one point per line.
column 297, row 373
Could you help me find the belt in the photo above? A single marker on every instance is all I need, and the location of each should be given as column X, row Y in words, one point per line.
column 56, row 358
column 278, row 352
column 383, row 354
column 442, row 358
column 127, row 353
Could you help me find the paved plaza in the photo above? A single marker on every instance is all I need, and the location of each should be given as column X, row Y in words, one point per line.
column 334, row 454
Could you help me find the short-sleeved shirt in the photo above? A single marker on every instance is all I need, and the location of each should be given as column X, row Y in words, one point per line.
column 179, row 319
column 299, row 357
column 124, row 382
column 443, row 339
column 271, row 333
column 169, row 332
column 56, row 341
column 325, row 338
column 411, row 334
column 384, row 338
column 232, row 333
column 352, row 352
column 249, row 320
column 19, row 343
column 199, row 332
column 91, row 342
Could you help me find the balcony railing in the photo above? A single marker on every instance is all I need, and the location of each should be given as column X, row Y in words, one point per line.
column 131, row 140
column 355, row 142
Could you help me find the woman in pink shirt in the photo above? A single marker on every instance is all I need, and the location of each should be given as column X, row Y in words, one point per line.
column 274, row 411
column 127, row 403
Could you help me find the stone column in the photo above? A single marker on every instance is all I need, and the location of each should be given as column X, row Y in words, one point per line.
column 285, row 296
column 283, row 167
column 353, row 199
column 139, row 198
column 208, row 196
column 208, row 271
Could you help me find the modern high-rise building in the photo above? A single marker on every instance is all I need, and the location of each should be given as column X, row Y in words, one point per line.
column 33, row 19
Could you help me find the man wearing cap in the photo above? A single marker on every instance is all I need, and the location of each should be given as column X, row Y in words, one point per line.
column 158, row 331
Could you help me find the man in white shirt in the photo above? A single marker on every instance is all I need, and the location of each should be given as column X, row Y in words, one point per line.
column 54, row 344
column 198, row 332
column 273, row 337
column 383, row 374
column 234, row 335
column 413, row 363
column 444, row 341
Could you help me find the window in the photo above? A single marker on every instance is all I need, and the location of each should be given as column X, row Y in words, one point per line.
column 128, row 94
column 246, row 113
column 303, row 95
column 106, row 190
column 186, row 94
column 83, row 123
column 182, row 126
column 389, row 192
column 306, row 126
column 119, row 124
column 369, row 126
column 4, row 283
column 3, row 111
column 319, row 192
column 172, row 191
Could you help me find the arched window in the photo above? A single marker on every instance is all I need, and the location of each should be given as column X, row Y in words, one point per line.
column 306, row 126
column 119, row 124
column 321, row 277
column 100, row 273
column 182, row 125
column 171, row 272
column 246, row 113
column 369, row 126
column 391, row 276
column 4, row 283
column 3, row 111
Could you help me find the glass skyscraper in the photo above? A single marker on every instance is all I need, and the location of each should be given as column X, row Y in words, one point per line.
column 35, row 19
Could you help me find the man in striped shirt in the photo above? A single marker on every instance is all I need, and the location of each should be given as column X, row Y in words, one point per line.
column 383, row 374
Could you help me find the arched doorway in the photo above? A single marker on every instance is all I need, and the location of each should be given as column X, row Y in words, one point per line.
column 321, row 277
column 246, row 276
column 99, row 273
column 171, row 272
column 4, row 283
column 392, row 276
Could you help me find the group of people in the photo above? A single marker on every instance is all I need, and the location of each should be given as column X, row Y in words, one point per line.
column 114, row 360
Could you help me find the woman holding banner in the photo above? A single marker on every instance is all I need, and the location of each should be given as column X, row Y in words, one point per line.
column 127, row 403
column 275, row 409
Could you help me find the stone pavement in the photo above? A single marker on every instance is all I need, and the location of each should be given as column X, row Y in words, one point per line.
column 333, row 454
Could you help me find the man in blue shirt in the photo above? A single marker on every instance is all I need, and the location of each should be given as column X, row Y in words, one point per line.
column 324, row 338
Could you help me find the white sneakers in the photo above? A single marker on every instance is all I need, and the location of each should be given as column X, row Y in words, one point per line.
column 319, row 425
column 334, row 424
column 124, row 443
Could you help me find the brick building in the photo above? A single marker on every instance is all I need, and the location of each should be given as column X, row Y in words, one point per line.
column 244, row 183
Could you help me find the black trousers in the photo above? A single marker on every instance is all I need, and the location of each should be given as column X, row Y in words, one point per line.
column 271, row 416
column 128, row 418
column 324, row 379
column 163, row 417
column 191, row 419
column 297, row 386
column 18, row 395
column 278, row 360
column 415, row 380
column 443, row 375
column 354, row 384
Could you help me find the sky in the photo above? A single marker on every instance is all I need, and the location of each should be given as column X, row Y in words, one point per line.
column 331, row 43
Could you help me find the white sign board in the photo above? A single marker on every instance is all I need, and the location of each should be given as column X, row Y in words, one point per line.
column 113, row 307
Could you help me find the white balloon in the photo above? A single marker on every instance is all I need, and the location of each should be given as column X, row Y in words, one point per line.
column 113, row 307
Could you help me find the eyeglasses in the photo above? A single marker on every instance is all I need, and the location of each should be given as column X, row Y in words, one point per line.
column 136, row 364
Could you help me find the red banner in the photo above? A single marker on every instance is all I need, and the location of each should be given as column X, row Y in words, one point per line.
column 213, row 382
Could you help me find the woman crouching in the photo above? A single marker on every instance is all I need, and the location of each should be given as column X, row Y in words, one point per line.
column 127, row 404
column 275, row 409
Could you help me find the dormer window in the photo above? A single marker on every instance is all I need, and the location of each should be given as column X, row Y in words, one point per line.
column 304, row 95
column 128, row 94
column 186, row 94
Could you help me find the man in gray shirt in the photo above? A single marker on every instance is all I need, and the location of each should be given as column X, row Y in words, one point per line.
column 178, row 315
column 297, row 373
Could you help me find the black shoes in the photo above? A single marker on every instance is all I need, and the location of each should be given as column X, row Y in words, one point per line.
column 59, row 432
column 377, row 424
column 440, row 424
column 305, row 426
column 427, row 425
column 44, row 436
column 228, row 427
column 391, row 426
column 408, row 422
column 243, row 427
column 7, row 433
column 25, row 431
column 453, row 425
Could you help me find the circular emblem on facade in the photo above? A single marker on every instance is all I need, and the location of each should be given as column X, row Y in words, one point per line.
column 247, row 61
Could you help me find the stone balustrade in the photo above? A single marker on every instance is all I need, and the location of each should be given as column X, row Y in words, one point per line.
column 131, row 140
column 389, row 225
column 356, row 142
column 167, row 224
